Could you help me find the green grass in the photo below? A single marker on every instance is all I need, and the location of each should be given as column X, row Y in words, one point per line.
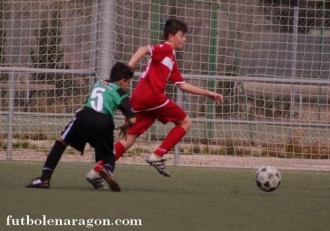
column 191, row 199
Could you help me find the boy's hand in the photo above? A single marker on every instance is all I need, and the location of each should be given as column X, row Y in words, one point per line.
column 217, row 98
column 123, row 131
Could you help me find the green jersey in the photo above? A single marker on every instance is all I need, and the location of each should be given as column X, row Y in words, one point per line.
column 106, row 97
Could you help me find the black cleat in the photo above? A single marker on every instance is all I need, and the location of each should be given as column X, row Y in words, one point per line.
column 159, row 165
column 110, row 179
column 38, row 183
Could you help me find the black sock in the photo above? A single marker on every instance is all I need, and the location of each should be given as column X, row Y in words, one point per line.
column 109, row 167
column 109, row 163
column 53, row 158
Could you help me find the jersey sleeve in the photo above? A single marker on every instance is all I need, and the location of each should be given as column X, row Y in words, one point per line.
column 125, row 105
column 160, row 51
column 125, row 108
column 176, row 76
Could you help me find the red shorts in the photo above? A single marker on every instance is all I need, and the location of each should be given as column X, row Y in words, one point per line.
column 170, row 112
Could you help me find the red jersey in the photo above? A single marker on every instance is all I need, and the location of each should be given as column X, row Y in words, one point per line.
column 150, row 90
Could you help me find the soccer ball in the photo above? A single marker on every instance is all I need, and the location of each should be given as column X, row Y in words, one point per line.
column 268, row 178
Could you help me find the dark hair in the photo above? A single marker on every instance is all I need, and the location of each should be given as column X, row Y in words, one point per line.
column 172, row 26
column 121, row 71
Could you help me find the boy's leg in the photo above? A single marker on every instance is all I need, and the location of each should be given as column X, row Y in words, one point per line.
column 52, row 160
column 172, row 138
column 156, row 158
column 142, row 124
column 120, row 149
column 69, row 136
column 173, row 113
column 101, row 138
column 107, row 172
column 93, row 176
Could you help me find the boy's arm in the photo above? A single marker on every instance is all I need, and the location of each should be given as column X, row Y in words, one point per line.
column 130, row 119
column 138, row 55
column 217, row 98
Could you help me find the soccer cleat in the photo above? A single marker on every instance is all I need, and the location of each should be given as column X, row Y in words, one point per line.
column 94, row 178
column 38, row 183
column 110, row 179
column 158, row 164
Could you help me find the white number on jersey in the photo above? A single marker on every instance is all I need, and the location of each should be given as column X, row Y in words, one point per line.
column 97, row 99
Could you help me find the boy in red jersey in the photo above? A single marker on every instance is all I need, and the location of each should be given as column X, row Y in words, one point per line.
column 149, row 100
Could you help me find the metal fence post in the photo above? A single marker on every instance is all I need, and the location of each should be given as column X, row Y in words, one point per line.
column 12, row 80
column 107, row 38
column 177, row 146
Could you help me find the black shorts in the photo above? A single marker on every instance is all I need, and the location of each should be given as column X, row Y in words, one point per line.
column 89, row 126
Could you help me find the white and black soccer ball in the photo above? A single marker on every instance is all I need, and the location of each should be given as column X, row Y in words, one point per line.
column 268, row 178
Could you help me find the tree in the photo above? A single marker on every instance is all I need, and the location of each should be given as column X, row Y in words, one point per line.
column 49, row 38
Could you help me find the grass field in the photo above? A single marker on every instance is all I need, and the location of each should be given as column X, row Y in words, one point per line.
column 191, row 199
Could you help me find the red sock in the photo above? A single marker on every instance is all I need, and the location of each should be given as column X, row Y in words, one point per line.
column 119, row 150
column 172, row 138
column 98, row 166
